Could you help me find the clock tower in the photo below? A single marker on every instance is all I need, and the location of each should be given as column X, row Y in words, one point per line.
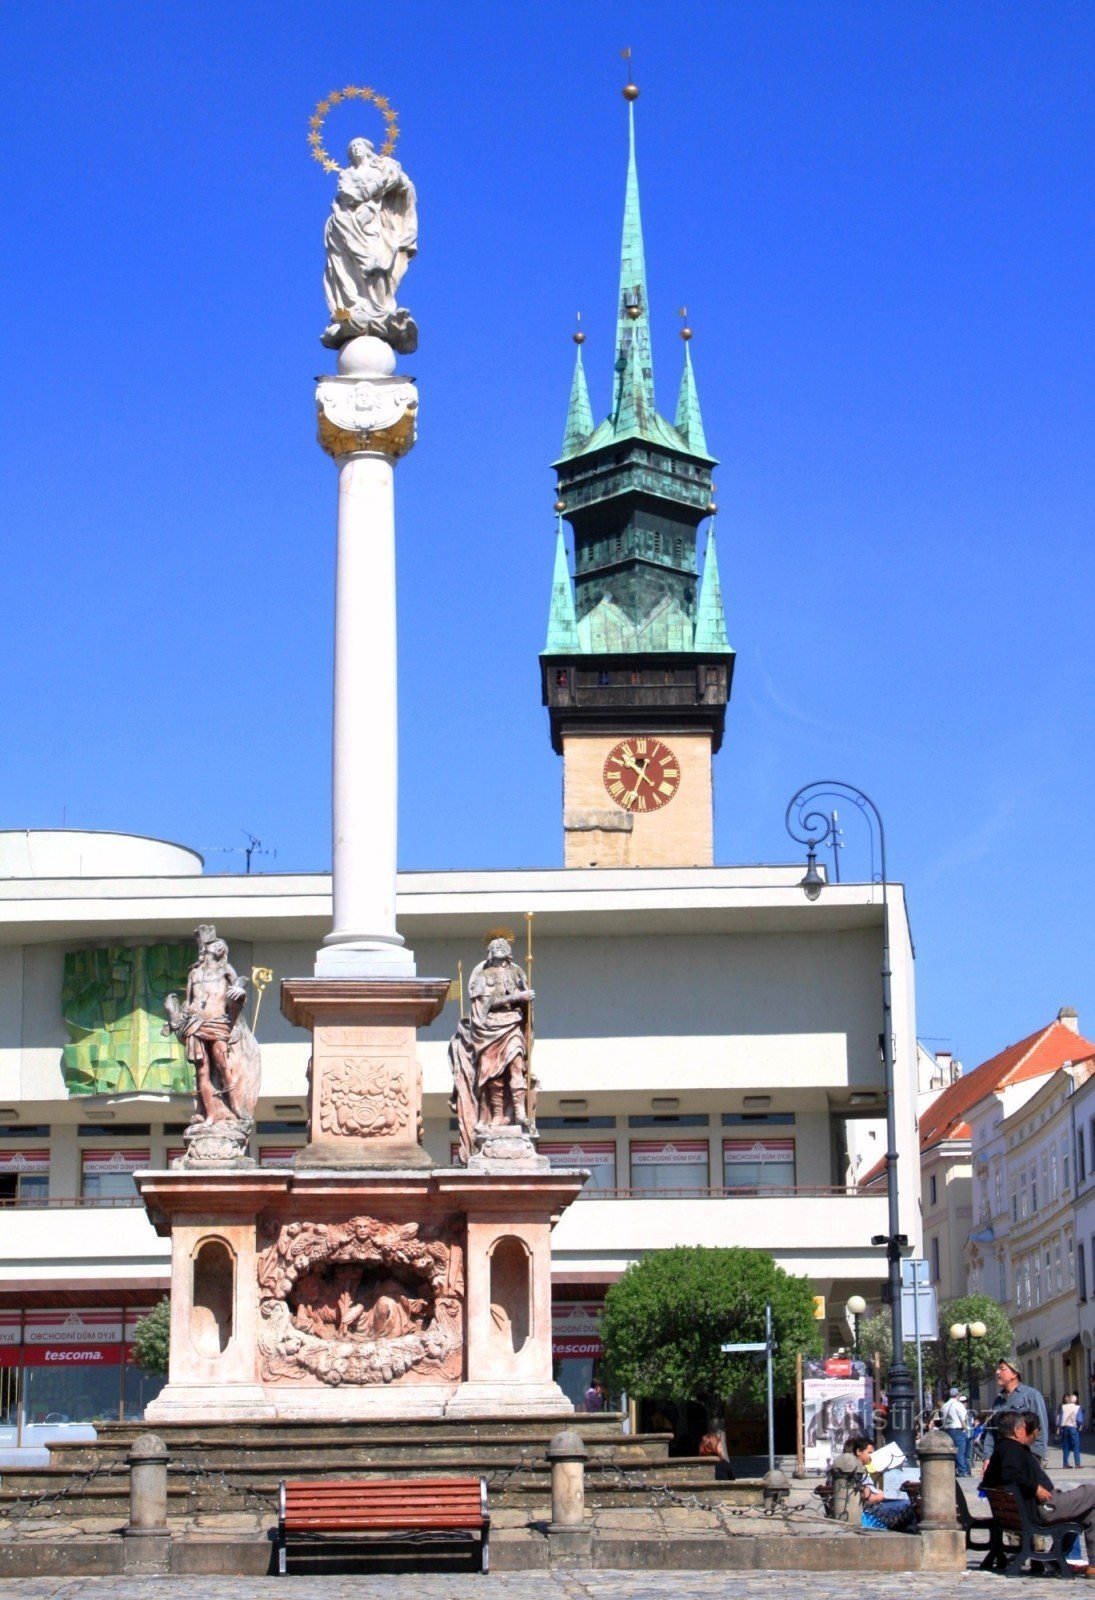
column 637, row 667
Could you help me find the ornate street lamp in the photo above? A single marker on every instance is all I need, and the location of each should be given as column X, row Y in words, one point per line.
column 965, row 1333
column 812, row 828
column 855, row 1308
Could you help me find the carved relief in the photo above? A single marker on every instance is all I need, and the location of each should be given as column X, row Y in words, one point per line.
column 363, row 1096
column 362, row 1302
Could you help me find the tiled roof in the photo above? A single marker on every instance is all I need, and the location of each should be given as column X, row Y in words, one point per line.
column 1034, row 1057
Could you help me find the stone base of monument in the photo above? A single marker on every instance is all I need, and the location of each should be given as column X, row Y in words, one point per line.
column 335, row 1294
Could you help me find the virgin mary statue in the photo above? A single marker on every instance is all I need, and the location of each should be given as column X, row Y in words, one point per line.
column 370, row 237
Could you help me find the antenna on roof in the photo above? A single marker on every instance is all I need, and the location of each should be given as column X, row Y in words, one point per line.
column 253, row 847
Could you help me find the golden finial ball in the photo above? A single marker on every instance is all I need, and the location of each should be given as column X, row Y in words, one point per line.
column 686, row 334
column 711, row 508
column 560, row 505
column 634, row 312
column 630, row 91
column 578, row 337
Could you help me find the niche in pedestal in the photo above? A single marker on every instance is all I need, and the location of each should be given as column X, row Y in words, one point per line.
column 510, row 1294
column 214, row 1280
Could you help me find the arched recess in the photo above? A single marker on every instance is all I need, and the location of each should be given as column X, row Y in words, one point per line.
column 511, row 1292
column 212, row 1297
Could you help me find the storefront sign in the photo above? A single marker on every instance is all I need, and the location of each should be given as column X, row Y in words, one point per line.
column 24, row 1160
column 735, row 1151
column 11, row 1338
column 580, row 1155
column 575, row 1330
column 687, row 1153
column 72, row 1338
column 98, row 1161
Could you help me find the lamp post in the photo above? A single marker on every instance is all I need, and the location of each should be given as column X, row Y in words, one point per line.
column 855, row 1308
column 965, row 1333
column 814, row 827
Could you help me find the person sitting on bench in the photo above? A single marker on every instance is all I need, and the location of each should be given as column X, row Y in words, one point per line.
column 1013, row 1464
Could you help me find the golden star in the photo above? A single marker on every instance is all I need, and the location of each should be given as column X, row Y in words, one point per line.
column 313, row 138
column 349, row 92
column 330, row 166
column 315, row 122
column 322, row 108
column 381, row 102
column 334, row 97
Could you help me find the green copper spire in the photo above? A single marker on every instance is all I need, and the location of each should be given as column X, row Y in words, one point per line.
column 710, row 618
column 562, row 635
column 633, row 399
column 689, row 421
column 579, row 412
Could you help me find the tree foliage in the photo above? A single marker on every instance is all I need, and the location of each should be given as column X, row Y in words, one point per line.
column 945, row 1359
column 152, row 1337
column 665, row 1319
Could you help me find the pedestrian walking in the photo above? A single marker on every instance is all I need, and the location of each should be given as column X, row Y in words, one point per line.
column 954, row 1419
column 1070, row 1419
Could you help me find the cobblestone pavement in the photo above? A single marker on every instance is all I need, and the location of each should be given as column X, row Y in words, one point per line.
column 562, row 1584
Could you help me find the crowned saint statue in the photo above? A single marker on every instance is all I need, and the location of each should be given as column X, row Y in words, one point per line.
column 370, row 237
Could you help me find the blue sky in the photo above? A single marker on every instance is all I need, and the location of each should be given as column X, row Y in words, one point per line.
column 880, row 219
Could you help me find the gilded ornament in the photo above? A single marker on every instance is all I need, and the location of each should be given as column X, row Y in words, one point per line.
column 351, row 92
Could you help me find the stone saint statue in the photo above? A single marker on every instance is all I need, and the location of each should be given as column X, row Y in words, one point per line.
column 371, row 235
column 489, row 1052
column 210, row 1024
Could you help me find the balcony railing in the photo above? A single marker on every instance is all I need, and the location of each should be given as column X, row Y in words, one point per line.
column 809, row 1191
column 67, row 1202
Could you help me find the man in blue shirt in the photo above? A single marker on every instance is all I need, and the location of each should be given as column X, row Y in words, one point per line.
column 1016, row 1396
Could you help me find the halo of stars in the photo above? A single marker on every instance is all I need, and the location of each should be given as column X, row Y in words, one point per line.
column 336, row 96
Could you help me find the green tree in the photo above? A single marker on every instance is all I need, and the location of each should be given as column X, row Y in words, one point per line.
column 152, row 1339
column 945, row 1359
column 665, row 1319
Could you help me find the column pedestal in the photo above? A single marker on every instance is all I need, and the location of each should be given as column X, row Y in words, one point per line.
column 364, row 1082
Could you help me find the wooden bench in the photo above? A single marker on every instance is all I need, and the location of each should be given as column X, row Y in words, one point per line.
column 1012, row 1519
column 401, row 1508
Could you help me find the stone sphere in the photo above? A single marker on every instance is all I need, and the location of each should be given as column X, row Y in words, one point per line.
column 366, row 357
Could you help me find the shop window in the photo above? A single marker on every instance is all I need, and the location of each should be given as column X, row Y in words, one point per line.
column 510, row 1286
column 24, row 1177
column 107, row 1175
column 752, row 1164
column 600, row 1159
column 23, row 1188
column 668, row 1167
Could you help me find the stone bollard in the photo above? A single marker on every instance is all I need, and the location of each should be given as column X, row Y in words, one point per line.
column 847, row 1505
column 777, row 1486
column 937, row 1484
column 147, row 1540
column 942, row 1541
column 568, row 1455
column 568, row 1537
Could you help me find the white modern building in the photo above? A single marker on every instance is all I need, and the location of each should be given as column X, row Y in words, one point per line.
column 705, row 1039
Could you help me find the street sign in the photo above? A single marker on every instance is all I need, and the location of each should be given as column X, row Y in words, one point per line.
column 919, row 1304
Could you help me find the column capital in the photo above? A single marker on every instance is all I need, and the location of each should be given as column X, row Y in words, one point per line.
column 374, row 414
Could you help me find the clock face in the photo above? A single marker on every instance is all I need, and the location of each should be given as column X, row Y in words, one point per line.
column 642, row 774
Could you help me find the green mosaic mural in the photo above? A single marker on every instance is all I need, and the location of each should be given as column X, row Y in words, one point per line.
column 112, row 1006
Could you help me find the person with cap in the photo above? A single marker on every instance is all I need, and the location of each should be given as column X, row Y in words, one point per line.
column 954, row 1420
column 1015, row 1395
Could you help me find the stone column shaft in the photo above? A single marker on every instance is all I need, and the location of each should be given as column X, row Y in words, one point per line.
column 366, row 422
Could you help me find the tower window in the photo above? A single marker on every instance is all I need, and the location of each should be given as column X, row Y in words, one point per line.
column 603, row 679
column 561, row 676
